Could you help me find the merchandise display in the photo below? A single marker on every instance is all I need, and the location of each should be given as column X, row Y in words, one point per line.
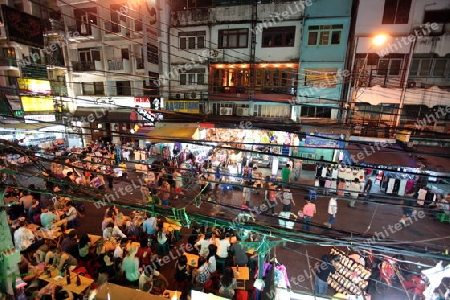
column 350, row 278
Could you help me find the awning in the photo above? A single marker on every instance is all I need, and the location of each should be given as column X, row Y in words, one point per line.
column 173, row 134
column 27, row 126
column 376, row 155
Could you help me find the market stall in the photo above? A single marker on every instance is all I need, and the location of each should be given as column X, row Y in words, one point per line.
column 351, row 277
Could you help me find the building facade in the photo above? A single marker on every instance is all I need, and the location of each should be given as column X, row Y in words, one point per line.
column 114, row 61
column 242, row 57
column 404, row 82
column 323, row 54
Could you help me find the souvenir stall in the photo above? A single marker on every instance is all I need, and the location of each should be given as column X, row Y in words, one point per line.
column 350, row 277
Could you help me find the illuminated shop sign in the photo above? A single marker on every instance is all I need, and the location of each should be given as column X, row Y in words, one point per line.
column 39, row 118
column 30, row 103
column 34, row 86
column 183, row 106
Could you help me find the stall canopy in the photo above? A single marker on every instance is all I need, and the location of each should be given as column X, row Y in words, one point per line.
column 27, row 126
column 172, row 134
column 375, row 155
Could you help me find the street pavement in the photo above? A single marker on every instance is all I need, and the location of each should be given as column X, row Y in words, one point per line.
column 378, row 219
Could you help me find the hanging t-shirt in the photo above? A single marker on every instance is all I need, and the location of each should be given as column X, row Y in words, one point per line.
column 334, row 173
column 324, row 172
column 422, row 194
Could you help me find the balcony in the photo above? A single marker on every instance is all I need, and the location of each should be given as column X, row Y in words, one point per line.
column 198, row 16
column 8, row 63
column 119, row 64
column 114, row 29
column 86, row 66
column 140, row 64
column 86, row 32
column 56, row 28
column 383, row 78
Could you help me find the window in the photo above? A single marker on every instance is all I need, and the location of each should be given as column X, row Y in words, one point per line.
column 271, row 111
column 123, row 88
column 233, row 38
column 152, row 54
column 116, row 17
column 428, row 67
column 89, row 55
column 193, row 77
column 93, row 88
column 315, row 112
column 278, row 37
column 192, row 40
column 324, row 34
column 36, row 55
column 321, row 78
column 437, row 16
column 396, row 11
column 9, row 53
column 389, row 66
column 153, row 88
column 84, row 17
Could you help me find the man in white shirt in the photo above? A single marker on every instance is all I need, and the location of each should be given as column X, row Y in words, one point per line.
column 25, row 240
column 112, row 231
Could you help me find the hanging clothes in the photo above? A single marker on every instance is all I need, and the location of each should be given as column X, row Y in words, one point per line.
column 430, row 198
column 341, row 156
column 341, row 173
column 334, row 173
column 421, row 194
column 402, row 187
column 390, row 186
column 318, row 170
column 409, row 186
column 396, row 187
column 349, row 174
column 341, row 187
column 324, row 172
column 333, row 186
column 327, row 184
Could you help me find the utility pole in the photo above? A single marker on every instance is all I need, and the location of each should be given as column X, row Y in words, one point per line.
column 252, row 77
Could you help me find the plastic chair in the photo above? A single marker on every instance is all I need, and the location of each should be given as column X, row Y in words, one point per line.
column 312, row 195
column 443, row 217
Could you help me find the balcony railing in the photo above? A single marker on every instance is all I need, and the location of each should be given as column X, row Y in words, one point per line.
column 7, row 62
column 119, row 64
column 383, row 77
column 84, row 66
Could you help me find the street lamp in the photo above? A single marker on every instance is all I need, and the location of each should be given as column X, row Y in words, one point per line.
column 377, row 40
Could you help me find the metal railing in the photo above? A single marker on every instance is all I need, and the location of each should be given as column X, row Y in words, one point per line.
column 383, row 77
column 83, row 65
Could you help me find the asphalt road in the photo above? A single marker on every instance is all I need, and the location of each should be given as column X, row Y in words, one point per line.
column 371, row 226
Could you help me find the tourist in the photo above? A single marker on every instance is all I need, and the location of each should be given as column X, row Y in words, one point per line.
column 309, row 209
column 228, row 284
column 130, row 266
column 286, row 173
column 322, row 273
column 181, row 274
column 112, row 231
column 332, row 210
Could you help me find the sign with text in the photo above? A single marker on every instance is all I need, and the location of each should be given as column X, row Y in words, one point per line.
column 39, row 118
column 34, row 86
column 320, row 140
column 37, row 104
column 183, row 106
column 22, row 27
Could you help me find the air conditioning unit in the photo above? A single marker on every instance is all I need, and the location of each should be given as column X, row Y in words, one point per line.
column 412, row 84
column 226, row 111
column 215, row 53
column 242, row 111
column 177, row 96
column 195, row 95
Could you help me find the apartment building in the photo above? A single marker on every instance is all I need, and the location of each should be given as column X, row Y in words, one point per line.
column 324, row 51
column 114, row 57
column 402, row 77
column 235, row 58
column 32, row 64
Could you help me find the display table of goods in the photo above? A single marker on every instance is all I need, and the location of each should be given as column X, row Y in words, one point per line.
column 350, row 278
